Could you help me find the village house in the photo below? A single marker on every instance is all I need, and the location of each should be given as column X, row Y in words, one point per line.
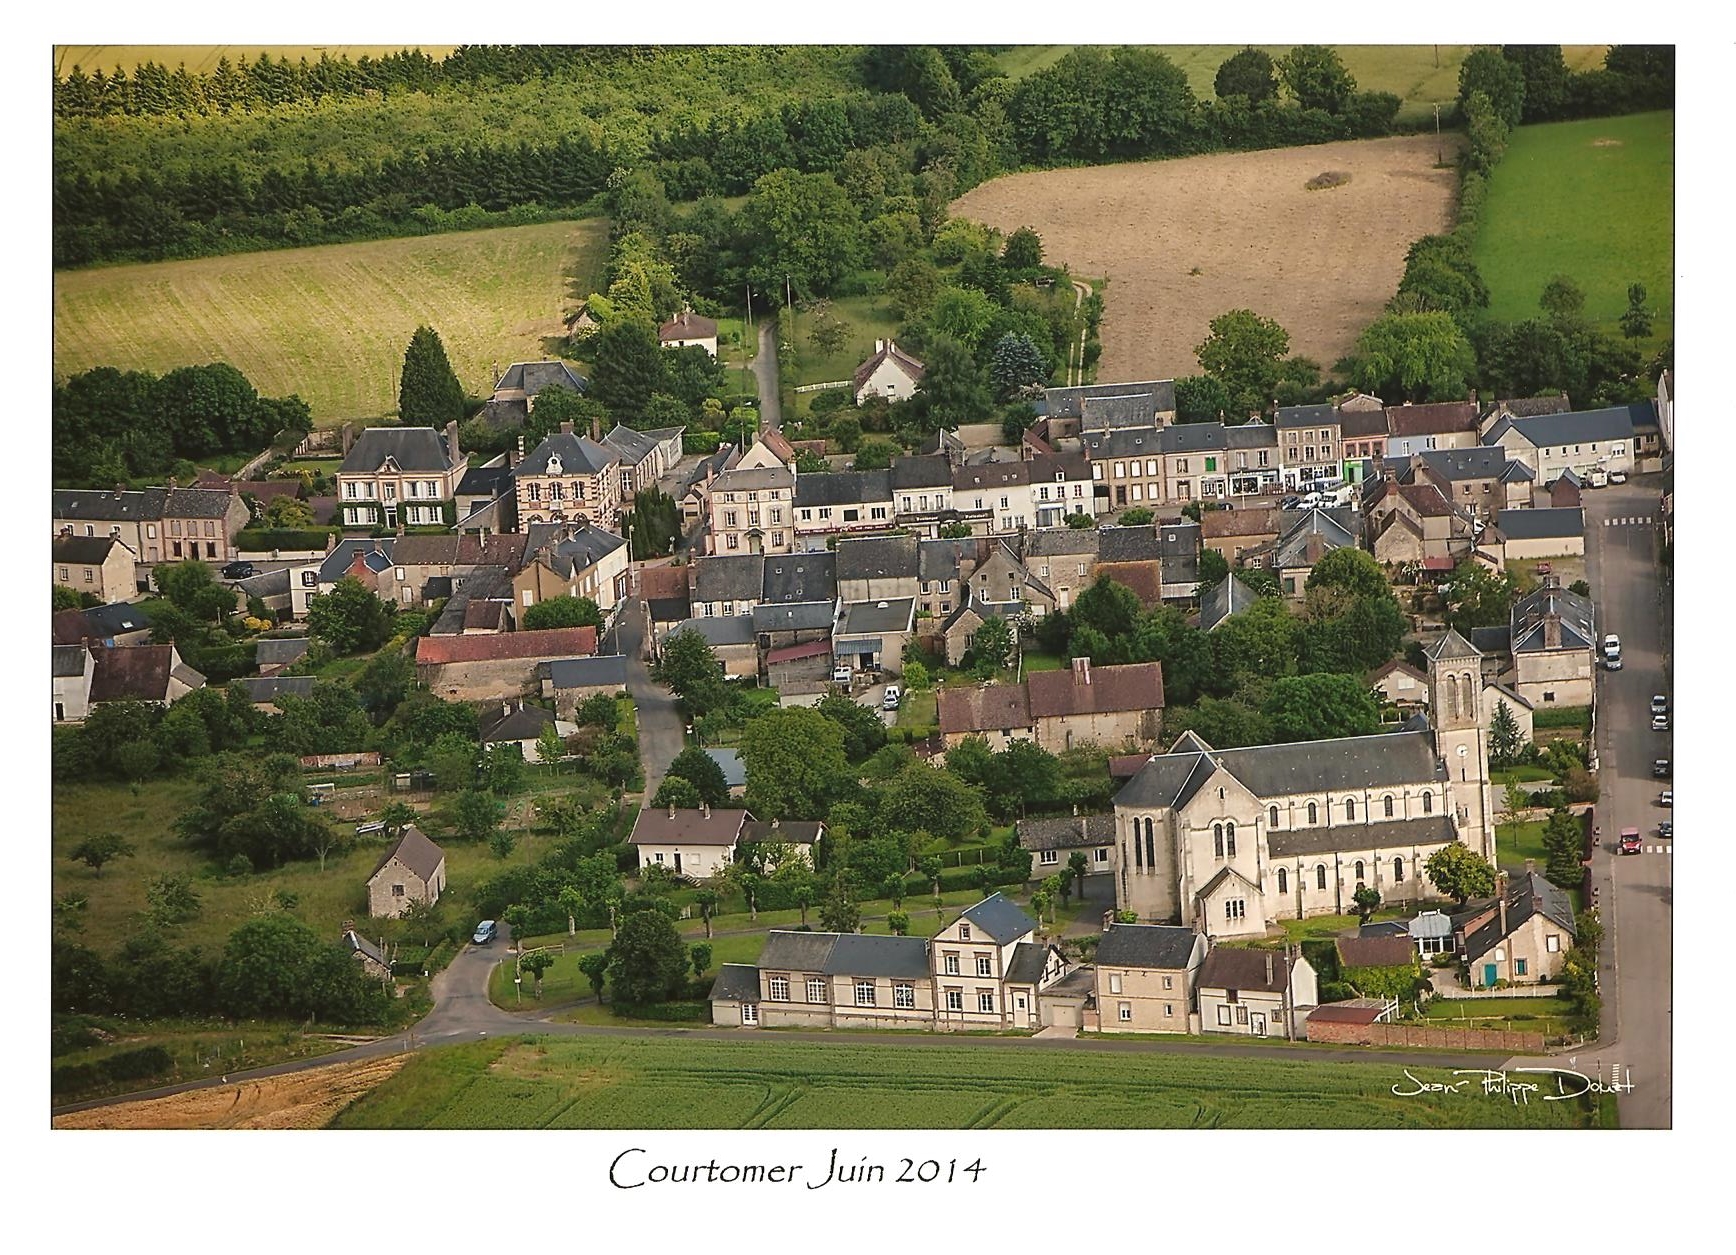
column 518, row 388
column 485, row 501
column 1256, row 993
column 1000, row 713
column 830, row 980
column 581, row 561
column 944, row 569
column 646, row 456
column 870, row 635
column 1063, row 559
column 308, row 580
column 100, row 566
column 264, row 691
column 571, row 682
column 1565, row 492
column 922, row 491
column 1126, row 468
column 976, row 956
column 158, row 524
column 143, row 673
column 667, row 595
column 1551, row 533
column 1413, row 429
column 1145, row 978
column 1415, row 523
column 1362, row 426
column 1215, row 462
column 273, row 654
column 1099, row 407
column 1230, row 841
column 413, row 869
column 1118, row 707
column 752, row 511
column 731, row 638
column 1053, row 841
column 878, row 569
column 373, row 960
column 1308, row 536
column 696, row 499
column 1582, row 441
column 726, row 585
column 840, row 503
column 1554, row 645
column 689, row 330
column 569, row 478
column 1231, row 533
column 890, row 372
column 783, row 623
column 1060, row 486
column 482, row 667
column 1400, row 684
column 695, row 844
column 408, row 475
column 1522, row 938
column 993, row 497
column 1480, row 479
column 118, row 623
column 1226, row 599
column 74, row 672
column 428, row 568
column 1310, row 439
column 514, row 723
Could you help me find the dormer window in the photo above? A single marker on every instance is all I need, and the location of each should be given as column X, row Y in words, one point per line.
column 554, row 464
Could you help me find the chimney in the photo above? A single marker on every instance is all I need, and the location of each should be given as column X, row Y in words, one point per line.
column 566, row 429
column 331, row 541
column 172, row 484
column 596, row 430
column 1269, row 972
column 505, row 707
column 774, row 822
column 1552, row 631
column 1081, row 823
column 452, row 441
column 1503, row 909
column 521, row 446
column 672, row 810
column 1530, row 866
column 346, row 437
column 705, row 810
column 1082, row 671
column 120, row 491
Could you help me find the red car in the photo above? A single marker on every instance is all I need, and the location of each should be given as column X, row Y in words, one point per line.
column 1630, row 841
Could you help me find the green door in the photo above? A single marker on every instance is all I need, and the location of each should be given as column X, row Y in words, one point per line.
column 1489, row 977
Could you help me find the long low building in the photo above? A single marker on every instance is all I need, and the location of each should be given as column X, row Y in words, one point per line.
column 484, row 666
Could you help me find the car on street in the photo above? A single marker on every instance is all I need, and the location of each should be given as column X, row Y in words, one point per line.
column 484, row 933
column 1630, row 841
column 1667, row 797
column 1660, row 769
column 890, row 699
column 1665, row 829
column 1660, row 723
column 1660, row 704
column 1618, row 477
column 238, row 571
column 841, row 674
column 1290, row 502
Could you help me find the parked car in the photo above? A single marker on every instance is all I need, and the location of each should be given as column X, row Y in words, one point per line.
column 1618, row 477
column 1612, row 662
column 1630, row 841
column 1612, row 645
column 1290, row 502
column 1597, row 477
column 484, row 933
column 238, row 571
column 1660, row 704
column 1660, row 769
column 1667, row 798
column 1665, row 829
column 890, row 699
column 841, row 674
column 1660, row 723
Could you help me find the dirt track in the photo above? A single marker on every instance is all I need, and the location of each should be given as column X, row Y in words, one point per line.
column 1183, row 241
column 301, row 1100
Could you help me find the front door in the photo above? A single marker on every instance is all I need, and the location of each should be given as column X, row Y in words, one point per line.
column 750, row 1013
column 1024, row 1019
column 1489, row 976
column 1259, row 1024
column 678, row 862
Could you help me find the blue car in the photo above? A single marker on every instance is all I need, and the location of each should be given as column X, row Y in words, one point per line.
column 484, row 933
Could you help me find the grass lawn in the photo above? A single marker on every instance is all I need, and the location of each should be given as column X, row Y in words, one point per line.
column 1550, row 1015
column 918, row 710
column 867, row 318
column 1590, row 199
column 737, row 346
column 1523, row 773
column 330, row 323
column 763, row 1080
column 1036, row 660
column 1514, row 843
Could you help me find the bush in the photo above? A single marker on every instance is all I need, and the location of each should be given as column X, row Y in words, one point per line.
column 1562, row 717
column 668, row 1012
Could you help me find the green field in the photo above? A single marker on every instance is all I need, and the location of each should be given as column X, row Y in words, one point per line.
column 330, row 323
column 1420, row 75
column 1593, row 200
column 771, row 1081
column 867, row 318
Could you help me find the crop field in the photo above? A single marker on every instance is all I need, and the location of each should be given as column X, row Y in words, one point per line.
column 203, row 58
column 1594, row 200
column 768, row 1082
column 330, row 323
column 1183, row 241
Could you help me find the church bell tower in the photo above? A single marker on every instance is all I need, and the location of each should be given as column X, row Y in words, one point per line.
column 1461, row 740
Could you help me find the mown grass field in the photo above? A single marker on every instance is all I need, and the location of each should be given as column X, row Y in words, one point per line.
column 1418, row 74
column 773, row 1082
column 330, row 323
column 1593, row 200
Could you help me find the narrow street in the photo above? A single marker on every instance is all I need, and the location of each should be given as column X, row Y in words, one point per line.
column 661, row 731
column 765, row 373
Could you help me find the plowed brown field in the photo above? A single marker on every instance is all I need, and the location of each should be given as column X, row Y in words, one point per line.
column 1182, row 241
column 300, row 1100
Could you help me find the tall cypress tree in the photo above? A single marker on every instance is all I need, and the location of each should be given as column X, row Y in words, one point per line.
column 429, row 392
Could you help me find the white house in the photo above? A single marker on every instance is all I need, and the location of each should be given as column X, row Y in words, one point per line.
column 697, row 844
column 688, row 329
column 891, row 373
column 1256, row 993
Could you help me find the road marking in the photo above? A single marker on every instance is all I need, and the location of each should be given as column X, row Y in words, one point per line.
column 1666, row 849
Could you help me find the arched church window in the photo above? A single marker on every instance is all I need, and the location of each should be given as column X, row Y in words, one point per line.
column 1320, row 875
column 1398, row 871
column 1313, row 813
column 1387, row 803
column 1283, row 882
column 1217, row 840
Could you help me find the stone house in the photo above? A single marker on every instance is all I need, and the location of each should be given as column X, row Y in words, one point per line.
column 98, row 565
column 1115, row 707
column 944, row 568
column 1413, row 429
column 1101, row 406
column 1415, row 523
column 425, row 568
column 972, row 958
column 1146, row 976
column 372, row 958
column 408, row 475
column 1061, row 486
column 696, row 844
column 571, row 682
column 731, row 639
column 74, row 670
column 1579, row 441
column 413, row 869
column 667, row 595
column 1126, row 467
column 890, row 372
column 1063, row 560
column 1053, row 841
column 752, row 511
column 264, row 691
column 482, row 667
column 999, row 712
column 514, row 723
column 581, row 561
column 1310, row 444
column 728, row 585
column 1554, row 646
column 994, row 497
column 832, row 980
column 1237, row 463
column 1551, row 533
column 522, row 383
column 1522, row 937
column 1308, row 536
column 1564, row 492
column 1362, row 426
column 1401, row 684
column 1480, row 480
column 1256, row 993
column 569, row 479
column 157, row 524
column 1231, row 533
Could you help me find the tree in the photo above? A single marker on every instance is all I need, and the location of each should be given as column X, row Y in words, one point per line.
column 1017, row 363
column 1563, row 846
column 1486, row 70
column 1636, row 320
column 1316, row 77
column 1107, row 607
column 912, row 287
column 1460, row 873
column 700, row 953
column 690, row 666
column 1505, row 739
column 536, row 963
column 953, row 390
column 678, row 792
column 350, row 618
column 898, row 923
column 864, row 731
column 1479, row 597
column 1320, row 707
column 1023, row 251
column 171, row 899
column 795, row 763
column 550, row 748
column 992, row 645
column 1367, row 901
column 421, row 918
column 503, row 767
column 429, row 394
column 1562, row 300
column 796, row 879
column 276, row 966
column 1249, row 73
column 1420, row 356
column 102, row 848
column 1353, row 572
column 1079, row 865
column 801, row 229
column 562, row 612
column 1243, row 353
column 1139, row 516
column 706, row 900
column 647, row 960
column 1214, row 568
column 595, row 968
column 827, row 333
column 500, row 842
column 627, row 366
column 476, row 814
column 701, row 769
column 921, row 798
column 839, row 911
column 1546, row 79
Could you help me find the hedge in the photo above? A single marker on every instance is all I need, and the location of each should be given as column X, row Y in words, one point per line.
column 668, row 1012
column 128, row 1065
column 1561, row 717
column 261, row 539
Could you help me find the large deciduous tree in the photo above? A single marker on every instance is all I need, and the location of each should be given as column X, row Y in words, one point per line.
column 1486, row 70
column 1418, row 356
column 690, row 666
column 627, row 367
column 1320, row 707
column 1316, row 77
column 1250, row 73
column 802, row 229
column 350, row 618
column 647, row 960
column 429, row 393
column 795, row 763
column 1244, row 352
column 1460, row 873
column 953, row 389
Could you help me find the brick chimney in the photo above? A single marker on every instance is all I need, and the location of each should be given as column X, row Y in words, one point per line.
column 596, row 430
column 1552, row 631
column 1269, row 972
column 452, row 441
column 1081, row 671
column 566, row 429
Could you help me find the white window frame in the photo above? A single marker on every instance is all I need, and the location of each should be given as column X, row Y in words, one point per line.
column 955, row 1000
column 904, row 996
column 750, row 1013
column 865, row 993
column 778, row 988
column 986, row 1001
column 1126, row 1009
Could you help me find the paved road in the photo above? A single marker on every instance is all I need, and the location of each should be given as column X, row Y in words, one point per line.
column 765, row 373
column 662, row 734
column 1636, row 891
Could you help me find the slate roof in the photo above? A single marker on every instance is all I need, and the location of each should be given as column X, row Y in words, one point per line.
column 1146, row 945
column 1578, row 620
column 498, row 646
column 1066, row 832
column 1241, row 521
column 736, row 982
column 1131, row 686
column 1319, row 415
column 116, row 619
column 840, row 488
column 984, row 708
column 1229, row 597
column 506, row 550
column 415, row 851
column 1053, row 541
column 1027, row 964
column 1357, row 762
column 91, row 550
column 520, row 723
column 792, row 616
column 721, row 827
column 280, row 652
column 688, row 325
column 1361, row 424
column 367, row 949
column 733, row 577
column 1244, row 969
column 798, row 577
column 1435, row 419
column 736, row 629
column 1068, row 402
column 1000, row 918
column 343, row 554
column 1575, row 427
column 1482, row 462
column 1132, row 410
column 138, row 671
column 70, row 660
column 267, row 688
column 881, row 557
column 1129, row 544
column 940, row 559
column 1301, row 842
column 932, row 470
column 1312, row 535
column 1212, row 437
column 578, row 454
column 603, row 671
column 1124, row 442
column 109, row 507
column 1550, row 524
column 734, row 770
column 860, row 954
column 1528, row 895
column 635, row 446
column 792, row 831
column 753, row 479
column 584, row 548
column 889, row 351
column 989, row 476
column 531, row 378
column 1362, row 951
column 895, row 615
column 1350, row 1011
column 412, row 448
column 792, row 951
column 1451, row 645
column 1529, row 407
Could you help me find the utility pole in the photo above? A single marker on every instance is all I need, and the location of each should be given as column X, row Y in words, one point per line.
column 1440, row 155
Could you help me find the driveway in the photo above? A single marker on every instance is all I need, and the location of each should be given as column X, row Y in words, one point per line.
column 765, row 373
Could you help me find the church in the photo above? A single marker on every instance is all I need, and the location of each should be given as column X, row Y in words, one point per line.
column 1231, row 841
